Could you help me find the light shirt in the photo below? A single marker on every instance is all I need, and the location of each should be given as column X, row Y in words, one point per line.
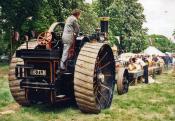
column 140, row 62
column 71, row 27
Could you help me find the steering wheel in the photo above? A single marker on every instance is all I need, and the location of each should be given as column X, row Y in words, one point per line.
column 44, row 38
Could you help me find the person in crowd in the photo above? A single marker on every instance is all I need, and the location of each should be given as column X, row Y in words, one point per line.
column 150, row 63
column 160, row 61
column 154, row 59
column 131, row 65
column 166, row 60
column 145, row 70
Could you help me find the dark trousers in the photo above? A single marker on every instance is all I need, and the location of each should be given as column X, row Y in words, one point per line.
column 145, row 73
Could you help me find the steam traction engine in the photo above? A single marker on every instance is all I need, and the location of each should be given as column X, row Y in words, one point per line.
column 35, row 74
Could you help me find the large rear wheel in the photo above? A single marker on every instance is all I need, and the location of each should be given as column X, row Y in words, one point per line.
column 14, row 83
column 94, row 77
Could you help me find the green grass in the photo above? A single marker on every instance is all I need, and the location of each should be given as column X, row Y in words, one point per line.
column 5, row 96
column 3, row 68
column 153, row 102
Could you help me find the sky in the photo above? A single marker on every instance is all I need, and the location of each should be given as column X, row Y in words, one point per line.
column 160, row 16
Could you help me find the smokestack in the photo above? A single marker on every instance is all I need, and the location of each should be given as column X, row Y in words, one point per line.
column 104, row 23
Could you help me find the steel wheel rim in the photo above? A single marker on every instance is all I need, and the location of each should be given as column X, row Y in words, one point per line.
column 104, row 77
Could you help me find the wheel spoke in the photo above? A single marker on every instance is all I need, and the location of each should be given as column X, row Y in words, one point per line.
column 47, row 40
column 107, row 64
column 44, row 38
column 103, row 96
column 45, row 34
column 96, row 88
column 40, row 40
column 96, row 95
column 107, row 75
column 40, row 37
column 106, row 87
column 98, row 101
column 102, row 58
column 49, row 36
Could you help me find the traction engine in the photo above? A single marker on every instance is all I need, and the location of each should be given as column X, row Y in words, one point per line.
column 89, row 79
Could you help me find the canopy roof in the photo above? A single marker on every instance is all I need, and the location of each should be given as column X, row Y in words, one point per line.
column 153, row 51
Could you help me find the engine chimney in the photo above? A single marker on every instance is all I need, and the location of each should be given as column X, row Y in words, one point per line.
column 104, row 23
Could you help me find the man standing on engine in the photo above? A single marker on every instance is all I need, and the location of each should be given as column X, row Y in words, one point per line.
column 71, row 29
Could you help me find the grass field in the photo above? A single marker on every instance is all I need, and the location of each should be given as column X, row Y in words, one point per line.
column 153, row 102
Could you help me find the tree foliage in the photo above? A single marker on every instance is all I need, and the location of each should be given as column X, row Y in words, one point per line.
column 15, row 14
column 14, row 17
column 62, row 8
column 161, row 42
column 89, row 19
column 173, row 33
column 126, row 20
column 101, row 6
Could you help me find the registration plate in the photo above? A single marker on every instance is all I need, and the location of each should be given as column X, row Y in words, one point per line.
column 38, row 72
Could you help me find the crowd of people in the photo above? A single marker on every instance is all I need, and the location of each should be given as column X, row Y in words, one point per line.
column 143, row 62
column 139, row 61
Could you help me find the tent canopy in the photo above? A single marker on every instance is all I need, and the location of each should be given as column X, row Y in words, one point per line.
column 153, row 51
column 170, row 54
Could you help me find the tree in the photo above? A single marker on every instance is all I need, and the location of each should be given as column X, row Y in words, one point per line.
column 173, row 33
column 62, row 8
column 101, row 7
column 89, row 19
column 162, row 43
column 15, row 12
column 14, row 16
column 126, row 20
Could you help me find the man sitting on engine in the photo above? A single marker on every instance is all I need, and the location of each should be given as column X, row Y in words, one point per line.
column 71, row 29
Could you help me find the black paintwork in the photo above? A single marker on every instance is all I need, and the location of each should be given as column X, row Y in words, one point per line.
column 49, row 59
